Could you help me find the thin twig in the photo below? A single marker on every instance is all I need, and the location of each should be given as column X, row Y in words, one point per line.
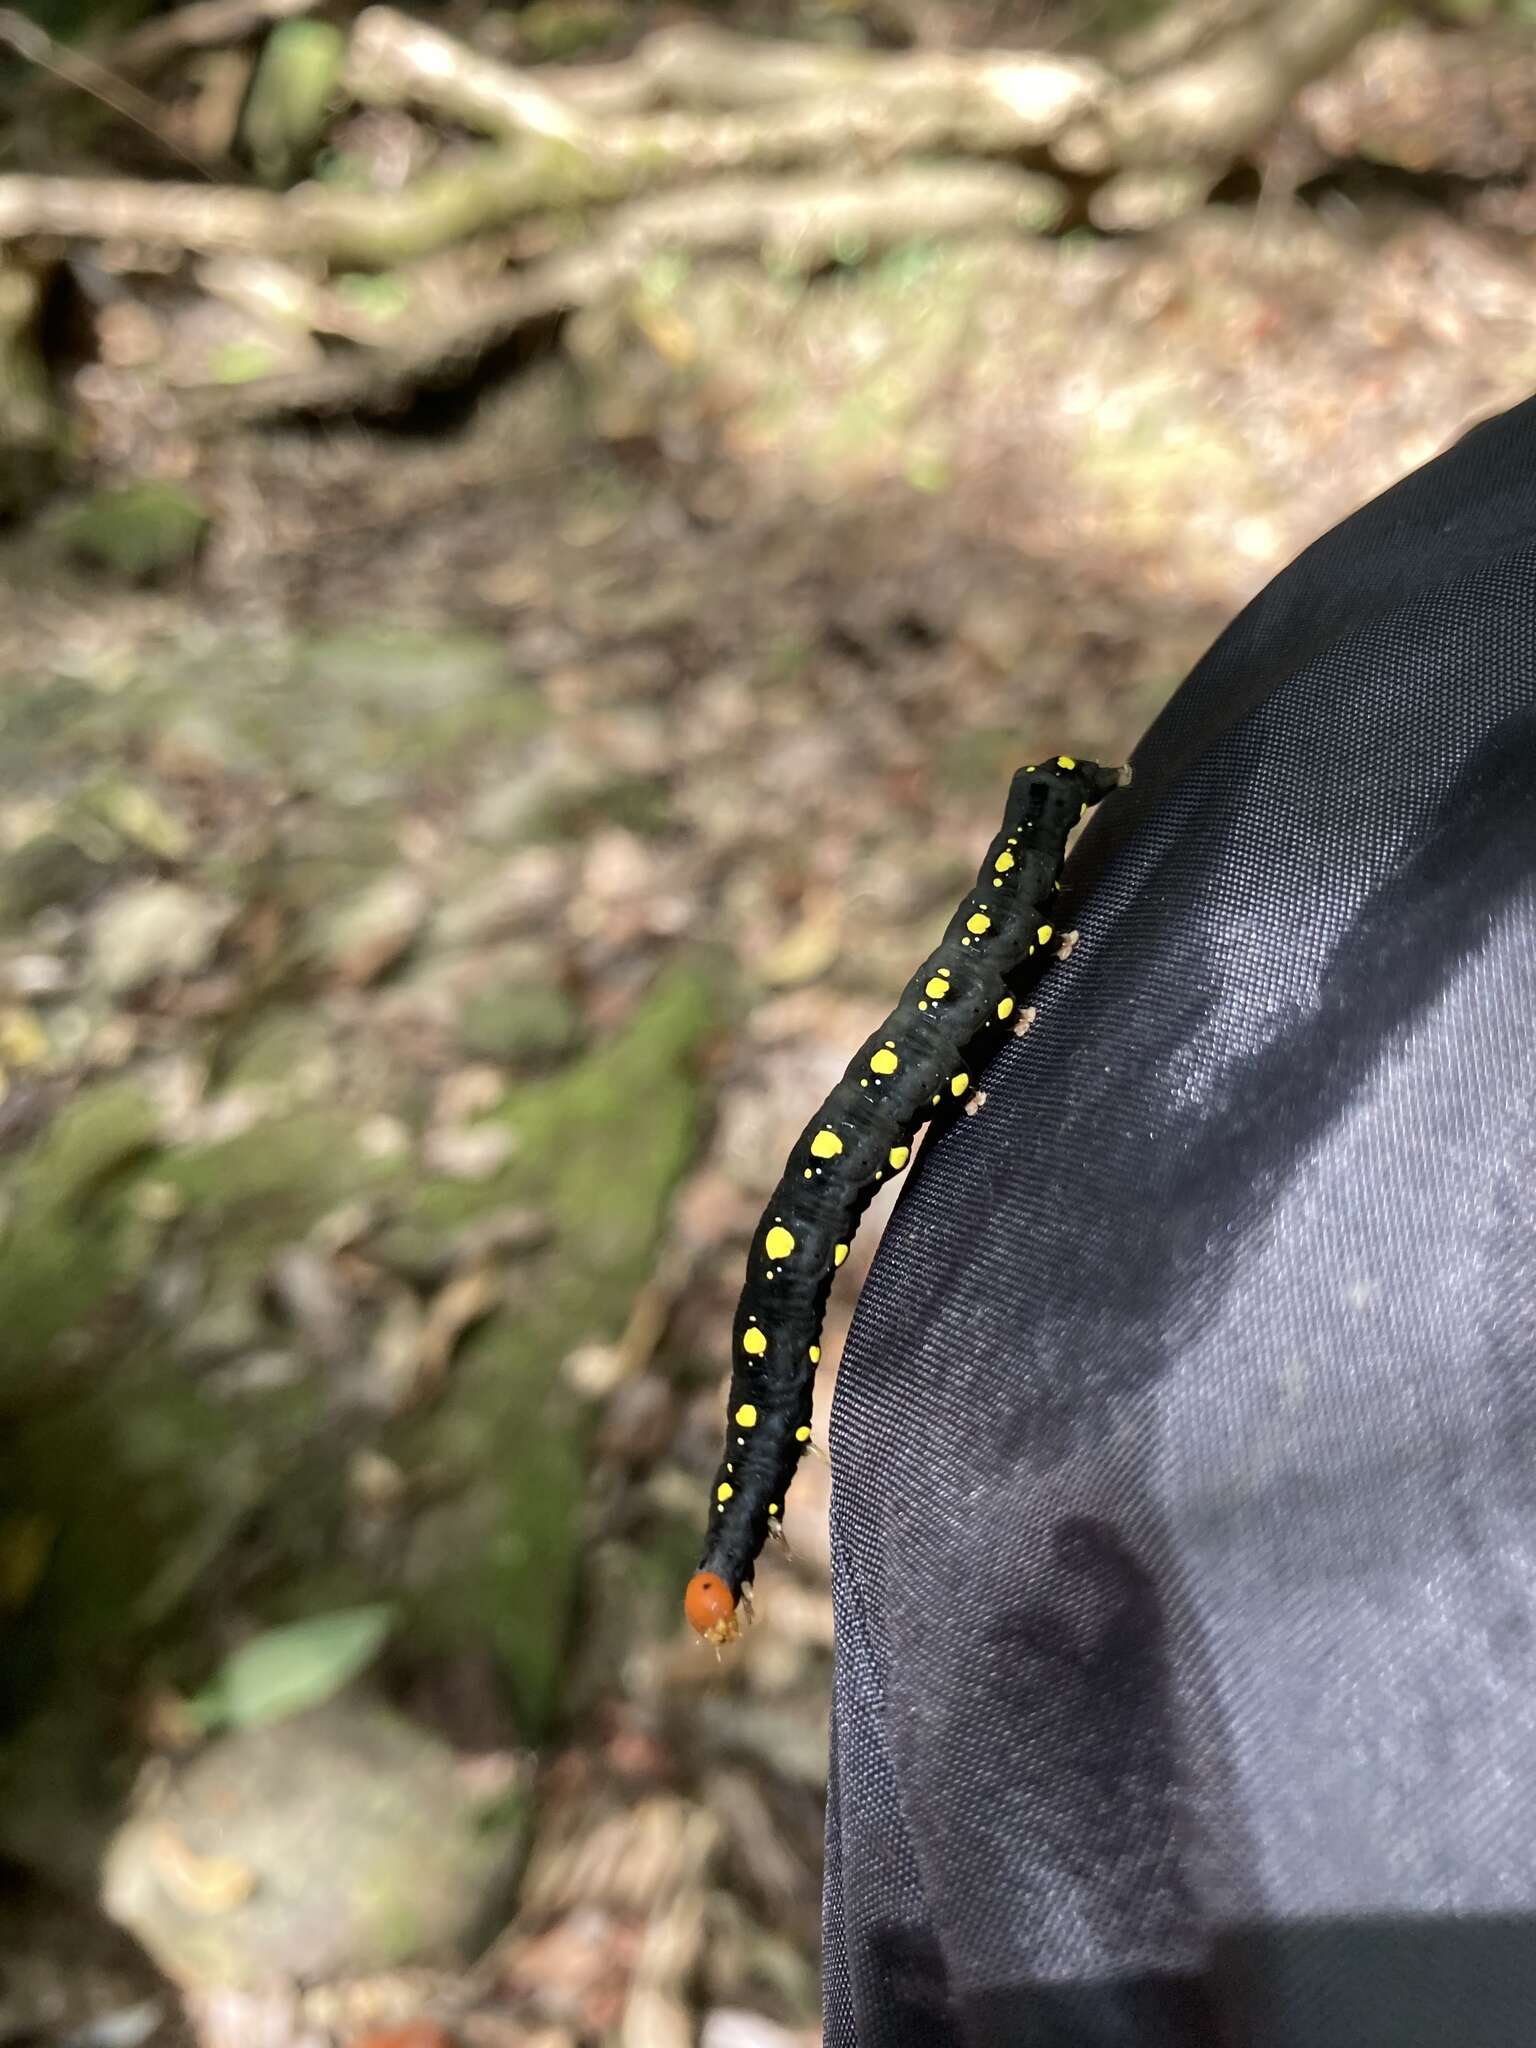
column 206, row 24
column 73, row 68
column 799, row 223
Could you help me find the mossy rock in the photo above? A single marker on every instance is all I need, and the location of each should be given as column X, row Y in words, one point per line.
column 412, row 1861
column 141, row 532
column 600, row 1146
column 518, row 1025
column 71, row 1238
column 273, row 1181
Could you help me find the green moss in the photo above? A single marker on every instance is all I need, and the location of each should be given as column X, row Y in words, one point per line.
column 564, row 28
column 600, row 1145
column 44, row 871
column 270, row 1183
column 71, row 1239
column 285, row 109
column 278, row 1050
column 519, row 1025
column 643, row 804
column 141, row 532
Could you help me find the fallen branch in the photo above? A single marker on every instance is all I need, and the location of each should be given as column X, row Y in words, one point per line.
column 206, row 24
column 313, row 220
column 800, row 224
column 495, row 186
column 704, row 110
column 1224, row 98
column 808, row 103
column 393, row 59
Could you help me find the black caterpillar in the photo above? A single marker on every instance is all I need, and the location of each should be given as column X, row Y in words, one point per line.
column 950, row 1018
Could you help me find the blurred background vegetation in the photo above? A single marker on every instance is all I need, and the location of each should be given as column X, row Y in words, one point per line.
column 533, row 538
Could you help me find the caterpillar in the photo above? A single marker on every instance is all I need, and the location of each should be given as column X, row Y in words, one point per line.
column 952, row 1014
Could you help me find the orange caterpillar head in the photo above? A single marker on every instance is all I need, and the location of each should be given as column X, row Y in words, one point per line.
column 710, row 1606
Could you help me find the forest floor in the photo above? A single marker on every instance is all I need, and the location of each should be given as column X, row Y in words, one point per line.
column 425, row 923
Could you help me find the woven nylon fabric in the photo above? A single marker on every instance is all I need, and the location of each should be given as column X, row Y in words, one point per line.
column 1184, row 1451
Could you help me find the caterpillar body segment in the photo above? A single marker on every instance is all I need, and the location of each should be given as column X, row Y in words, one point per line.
column 953, row 1013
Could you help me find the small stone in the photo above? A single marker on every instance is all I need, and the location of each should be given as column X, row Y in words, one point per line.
column 375, row 1482
column 157, row 1201
column 35, row 976
column 369, row 933
column 383, row 1137
column 153, row 931
column 470, row 1091
column 306, row 1287
column 407, row 1873
column 262, row 1372
column 471, row 1152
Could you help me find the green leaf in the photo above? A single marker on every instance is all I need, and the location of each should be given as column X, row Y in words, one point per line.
column 240, row 362
column 285, row 1670
column 381, row 296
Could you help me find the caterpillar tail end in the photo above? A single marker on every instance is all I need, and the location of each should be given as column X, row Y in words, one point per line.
column 1098, row 782
column 710, row 1606
column 1124, row 776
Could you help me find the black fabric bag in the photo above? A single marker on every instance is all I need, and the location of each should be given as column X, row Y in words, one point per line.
column 1184, row 1454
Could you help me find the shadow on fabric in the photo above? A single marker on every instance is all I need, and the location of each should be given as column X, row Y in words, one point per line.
column 1374, row 1983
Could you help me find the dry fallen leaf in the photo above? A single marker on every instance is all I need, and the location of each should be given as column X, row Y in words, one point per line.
column 207, row 1885
column 466, row 1298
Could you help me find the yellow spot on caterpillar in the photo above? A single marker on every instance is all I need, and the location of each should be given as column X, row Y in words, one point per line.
column 803, row 1433
column 814, row 1354
column 978, row 922
column 1043, row 934
column 1005, row 1008
column 746, row 1416
column 959, row 1084
column 779, row 1242
column 724, row 1490
column 826, row 1145
column 839, row 1255
column 922, row 1006
column 773, row 1507
column 807, row 1173
column 1030, row 769
column 755, row 1342
column 1065, row 761
column 884, row 1061
column 938, row 987
column 1003, row 862
column 935, row 1098
column 899, row 1155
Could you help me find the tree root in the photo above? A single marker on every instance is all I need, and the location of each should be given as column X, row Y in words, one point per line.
column 795, row 224
column 693, row 112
